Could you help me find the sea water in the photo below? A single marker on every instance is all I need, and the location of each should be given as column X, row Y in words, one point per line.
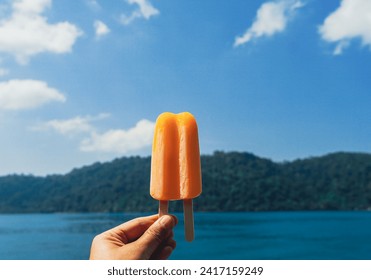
column 242, row 235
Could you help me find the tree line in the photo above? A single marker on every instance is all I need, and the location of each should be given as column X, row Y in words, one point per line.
column 232, row 181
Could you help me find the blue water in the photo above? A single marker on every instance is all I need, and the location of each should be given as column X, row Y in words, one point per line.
column 268, row 235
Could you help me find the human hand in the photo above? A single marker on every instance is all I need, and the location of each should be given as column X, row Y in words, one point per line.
column 143, row 238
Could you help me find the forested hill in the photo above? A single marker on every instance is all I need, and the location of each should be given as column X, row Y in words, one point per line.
column 231, row 182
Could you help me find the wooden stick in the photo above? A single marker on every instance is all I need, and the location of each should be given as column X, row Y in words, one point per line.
column 188, row 220
column 163, row 207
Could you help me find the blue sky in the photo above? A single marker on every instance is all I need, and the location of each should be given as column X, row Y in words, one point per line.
column 83, row 81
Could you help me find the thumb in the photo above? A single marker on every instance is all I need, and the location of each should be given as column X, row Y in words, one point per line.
column 156, row 234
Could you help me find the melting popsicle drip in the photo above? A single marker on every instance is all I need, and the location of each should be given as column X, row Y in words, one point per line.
column 176, row 167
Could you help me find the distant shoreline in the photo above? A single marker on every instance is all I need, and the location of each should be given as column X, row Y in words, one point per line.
column 232, row 182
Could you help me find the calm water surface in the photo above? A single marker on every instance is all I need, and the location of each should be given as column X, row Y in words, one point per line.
column 268, row 235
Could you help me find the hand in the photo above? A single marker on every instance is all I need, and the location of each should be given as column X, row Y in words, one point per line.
column 139, row 239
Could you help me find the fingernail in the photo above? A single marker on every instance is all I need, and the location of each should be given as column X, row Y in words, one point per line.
column 175, row 219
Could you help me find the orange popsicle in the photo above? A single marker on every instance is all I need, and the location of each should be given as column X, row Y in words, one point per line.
column 176, row 167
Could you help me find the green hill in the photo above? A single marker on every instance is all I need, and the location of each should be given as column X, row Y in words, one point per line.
column 231, row 182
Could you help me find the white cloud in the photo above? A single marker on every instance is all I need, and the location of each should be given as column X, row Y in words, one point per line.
column 271, row 18
column 93, row 4
column 3, row 72
column 31, row 6
column 72, row 126
column 27, row 33
column 145, row 10
column 27, row 94
column 119, row 140
column 351, row 20
column 101, row 29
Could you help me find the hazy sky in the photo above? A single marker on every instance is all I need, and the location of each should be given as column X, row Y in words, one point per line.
column 83, row 81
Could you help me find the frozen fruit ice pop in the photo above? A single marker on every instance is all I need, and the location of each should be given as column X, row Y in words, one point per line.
column 175, row 166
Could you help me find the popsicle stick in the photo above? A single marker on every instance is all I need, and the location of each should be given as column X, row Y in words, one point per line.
column 188, row 220
column 163, row 207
